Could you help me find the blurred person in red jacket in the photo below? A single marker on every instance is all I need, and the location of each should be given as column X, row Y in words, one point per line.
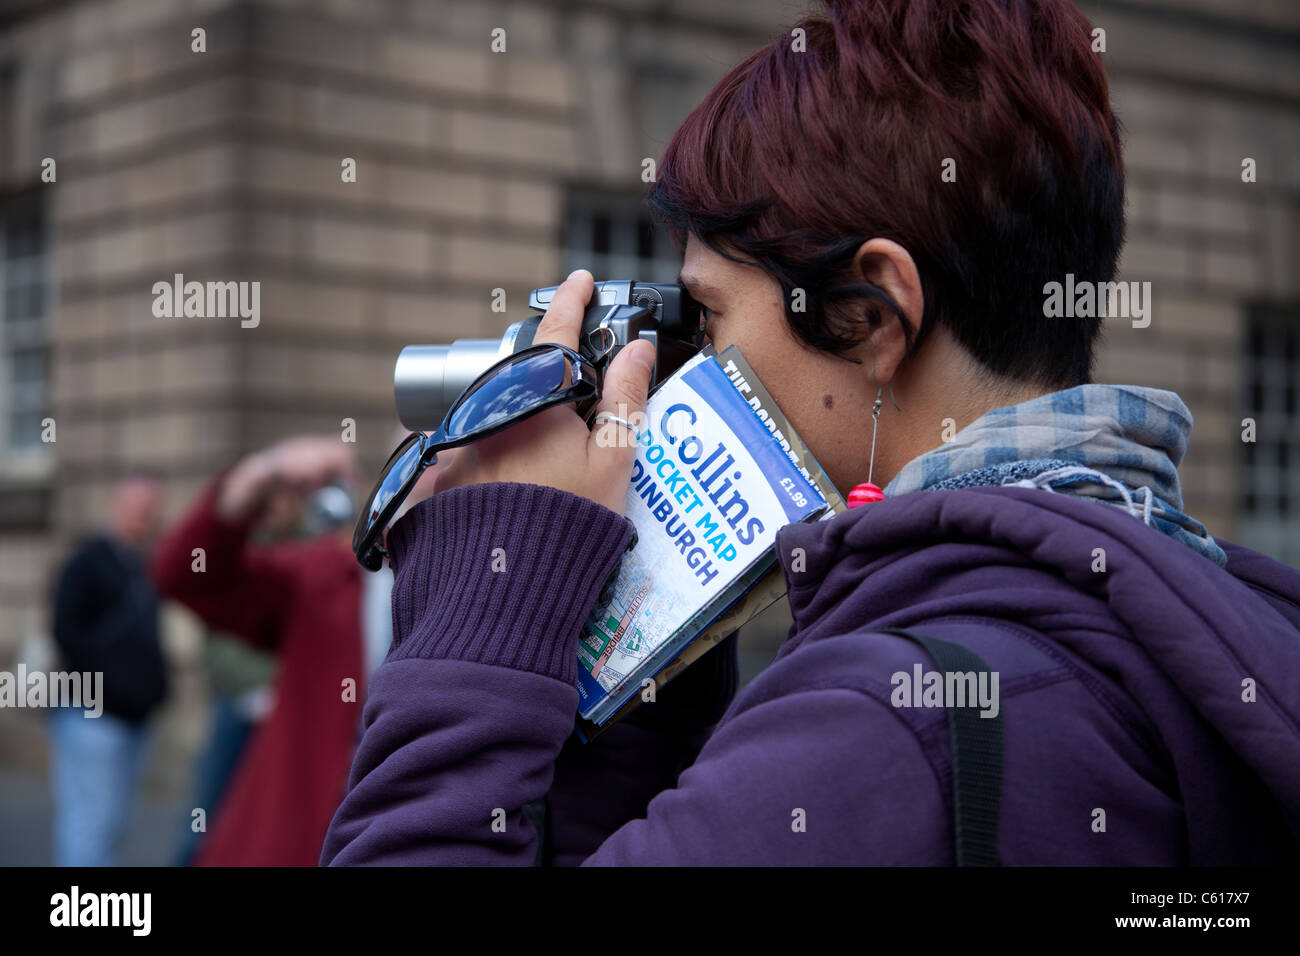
column 310, row 603
column 241, row 680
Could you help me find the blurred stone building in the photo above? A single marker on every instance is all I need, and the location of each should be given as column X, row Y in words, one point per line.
column 478, row 170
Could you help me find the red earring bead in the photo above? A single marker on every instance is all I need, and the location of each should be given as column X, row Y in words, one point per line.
column 864, row 494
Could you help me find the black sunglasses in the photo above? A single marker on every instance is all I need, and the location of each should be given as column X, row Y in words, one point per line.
column 520, row 385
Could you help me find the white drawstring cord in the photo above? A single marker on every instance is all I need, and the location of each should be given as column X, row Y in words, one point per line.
column 1043, row 481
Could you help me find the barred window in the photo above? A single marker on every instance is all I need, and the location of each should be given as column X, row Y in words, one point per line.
column 1270, row 473
column 612, row 235
column 24, row 351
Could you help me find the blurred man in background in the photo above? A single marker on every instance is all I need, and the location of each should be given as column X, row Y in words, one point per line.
column 106, row 621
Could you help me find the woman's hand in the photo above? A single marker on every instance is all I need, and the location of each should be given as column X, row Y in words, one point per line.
column 554, row 447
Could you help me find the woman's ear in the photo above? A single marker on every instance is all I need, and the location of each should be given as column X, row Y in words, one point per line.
column 886, row 264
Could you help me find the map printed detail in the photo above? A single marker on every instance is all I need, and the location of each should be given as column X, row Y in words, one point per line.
column 710, row 487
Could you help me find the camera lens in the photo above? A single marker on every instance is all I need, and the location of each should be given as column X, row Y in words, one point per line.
column 428, row 378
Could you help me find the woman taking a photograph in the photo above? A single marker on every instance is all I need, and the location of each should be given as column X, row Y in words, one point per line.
column 871, row 207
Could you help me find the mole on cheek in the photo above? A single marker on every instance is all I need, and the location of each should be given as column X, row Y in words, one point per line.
column 827, row 401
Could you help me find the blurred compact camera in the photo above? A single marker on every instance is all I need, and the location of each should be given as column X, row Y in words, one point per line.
column 329, row 507
column 429, row 378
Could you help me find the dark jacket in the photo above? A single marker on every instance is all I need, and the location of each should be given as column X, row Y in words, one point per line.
column 1151, row 710
column 106, row 620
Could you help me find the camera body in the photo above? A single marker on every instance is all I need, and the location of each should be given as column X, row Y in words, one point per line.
column 429, row 378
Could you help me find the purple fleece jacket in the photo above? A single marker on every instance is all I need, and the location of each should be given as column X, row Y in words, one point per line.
column 1164, row 691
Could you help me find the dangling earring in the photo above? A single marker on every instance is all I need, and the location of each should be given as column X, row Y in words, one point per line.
column 869, row 492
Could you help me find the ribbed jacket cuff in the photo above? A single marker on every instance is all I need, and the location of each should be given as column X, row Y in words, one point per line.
column 501, row 573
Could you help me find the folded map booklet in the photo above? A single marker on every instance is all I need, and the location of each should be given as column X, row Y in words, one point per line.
column 718, row 471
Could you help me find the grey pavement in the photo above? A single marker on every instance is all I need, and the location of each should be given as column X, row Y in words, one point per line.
column 25, row 818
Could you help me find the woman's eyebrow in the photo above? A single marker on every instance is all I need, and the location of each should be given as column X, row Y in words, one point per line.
column 697, row 288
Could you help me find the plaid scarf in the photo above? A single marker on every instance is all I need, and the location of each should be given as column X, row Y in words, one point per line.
column 1118, row 444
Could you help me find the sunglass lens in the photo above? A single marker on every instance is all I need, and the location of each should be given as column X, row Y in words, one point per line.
column 400, row 468
column 514, row 388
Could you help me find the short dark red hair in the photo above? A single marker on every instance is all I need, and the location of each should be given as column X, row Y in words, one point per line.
column 797, row 157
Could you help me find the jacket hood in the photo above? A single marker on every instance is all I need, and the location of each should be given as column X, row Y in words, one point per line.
column 1227, row 640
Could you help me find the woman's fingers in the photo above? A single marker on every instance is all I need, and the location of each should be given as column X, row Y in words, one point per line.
column 547, row 448
column 627, row 384
column 563, row 320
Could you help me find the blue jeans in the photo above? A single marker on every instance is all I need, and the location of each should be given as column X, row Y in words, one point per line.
column 216, row 765
column 95, row 766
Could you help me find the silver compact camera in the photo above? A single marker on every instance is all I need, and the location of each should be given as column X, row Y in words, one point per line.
column 429, row 378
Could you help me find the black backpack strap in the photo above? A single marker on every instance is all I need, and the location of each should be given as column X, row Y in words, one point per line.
column 538, row 813
column 976, row 759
